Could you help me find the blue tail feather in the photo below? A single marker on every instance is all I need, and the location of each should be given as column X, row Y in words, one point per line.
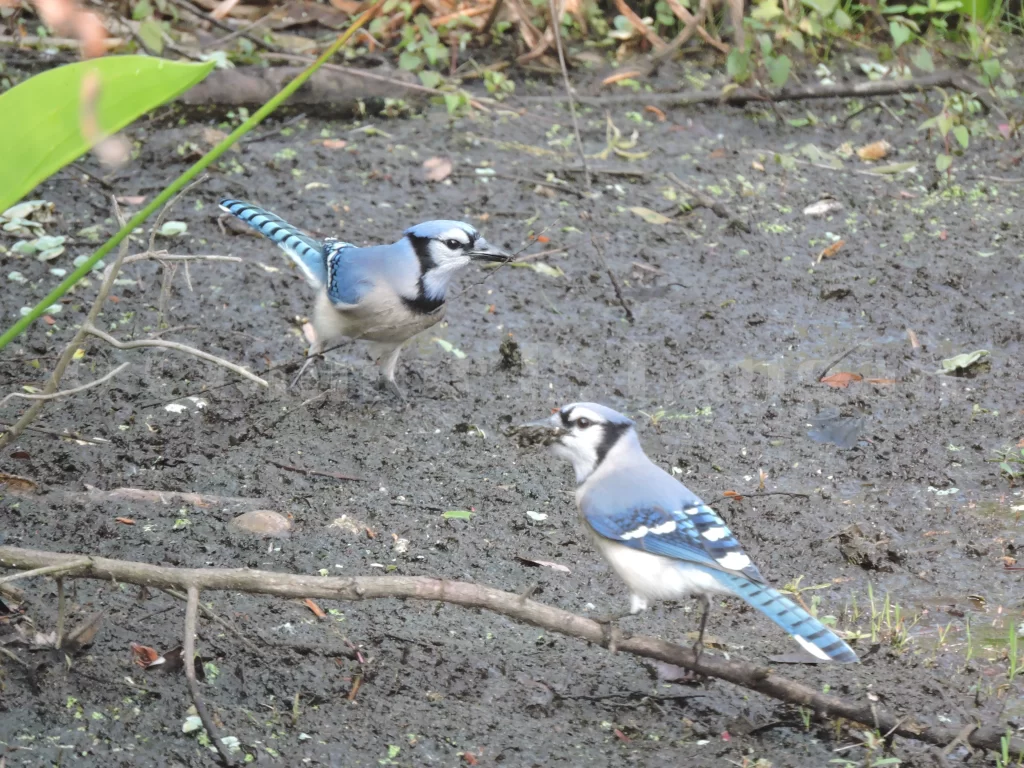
column 306, row 252
column 811, row 634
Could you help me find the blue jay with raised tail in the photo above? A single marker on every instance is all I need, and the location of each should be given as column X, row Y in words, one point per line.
column 383, row 293
column 659, row 537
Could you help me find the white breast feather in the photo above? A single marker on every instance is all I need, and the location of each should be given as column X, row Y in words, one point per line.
column 653, row 577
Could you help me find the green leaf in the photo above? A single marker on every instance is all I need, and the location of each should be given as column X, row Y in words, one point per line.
column 450, row 348
column 778, row 69
column 765, row 41
column 842, row 20
column 922, row 59
column 900, row 34
column 410, row 62
column 173, row 229
column 964, row 361
column 430, row 78
column 47, row 134
column 142, row 10
column 992, row 68
column 457, row 514
column 152, row 35
column 651, row 217
column 942, row 162
column 962, row 135
column 766, row 11
column 738, row 65
column 823, row 7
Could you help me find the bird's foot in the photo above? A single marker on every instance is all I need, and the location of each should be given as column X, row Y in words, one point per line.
column 298, row 376
column 385, row 384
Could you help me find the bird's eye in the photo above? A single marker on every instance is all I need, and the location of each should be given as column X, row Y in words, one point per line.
column 453, row 244
column 583, row 423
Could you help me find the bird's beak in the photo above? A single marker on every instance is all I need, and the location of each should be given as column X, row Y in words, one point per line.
column 484, row 251
column 542, row 432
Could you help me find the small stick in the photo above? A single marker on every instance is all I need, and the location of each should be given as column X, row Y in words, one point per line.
column 189, row 655
column 703, row 200
column 759, row 495
column 64, row 435
column 223, row 25
column 66, row 392
column 556, row 28
column 275, row 131
column 49, row 570
column 61, row 608
column 183, row 348
column 163, row 256
column 491, row 17
column 615, row 283
column 215, row 617
column 318, row 473
column 838, row 360
column 522, row 180
column 961, row 738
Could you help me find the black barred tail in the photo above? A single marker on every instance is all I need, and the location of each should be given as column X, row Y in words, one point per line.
column 307, row 253
column 813, row 636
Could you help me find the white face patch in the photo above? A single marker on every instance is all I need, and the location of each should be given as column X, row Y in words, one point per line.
column 580, row 412
column 734, row 561
column 811, row 648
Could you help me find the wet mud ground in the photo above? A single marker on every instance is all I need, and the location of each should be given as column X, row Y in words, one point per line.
column 720, row 368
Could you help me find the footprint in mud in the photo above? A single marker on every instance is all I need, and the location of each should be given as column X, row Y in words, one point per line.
column 830, row 427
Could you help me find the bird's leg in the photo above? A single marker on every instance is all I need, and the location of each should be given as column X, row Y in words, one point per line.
column 315, row 350
column 388, row 373
column 699, row 645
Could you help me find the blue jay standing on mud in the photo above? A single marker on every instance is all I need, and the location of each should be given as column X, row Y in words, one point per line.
column 659, row 537
column 383, row 293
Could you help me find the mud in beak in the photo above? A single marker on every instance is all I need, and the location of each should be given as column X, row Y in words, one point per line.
column 544, row 432
column 484, row 251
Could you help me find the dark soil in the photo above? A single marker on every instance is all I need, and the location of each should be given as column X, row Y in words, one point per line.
column 720, row 369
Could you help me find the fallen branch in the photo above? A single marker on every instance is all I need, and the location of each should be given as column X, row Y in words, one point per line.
column 745, row 674
column 615, row 283
column 738, row 97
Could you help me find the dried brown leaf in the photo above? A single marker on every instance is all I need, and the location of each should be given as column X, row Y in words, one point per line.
column 437, row 169
column 874, row 151
column 841, row 379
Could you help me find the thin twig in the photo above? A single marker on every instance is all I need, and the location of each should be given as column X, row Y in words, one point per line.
column 61, row 608
column 274, row 131
column 758, row 495
column 183, row 348
column 556, row 27
column 66, row 392
column 317, row 472
column 53, row 384
column 164, row 256
column 961, row 738
column 492, row 16
column 223, row 25
column 714, row 206
column 615, row 283
column 189, row 656
column 563, row 187
column 838, row 360
column 64, row 569
column 754, row 677
column 208, row 613
column 63, row 435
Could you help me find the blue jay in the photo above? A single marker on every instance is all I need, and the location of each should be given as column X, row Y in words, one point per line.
column 384, row 293
column 659, row 537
